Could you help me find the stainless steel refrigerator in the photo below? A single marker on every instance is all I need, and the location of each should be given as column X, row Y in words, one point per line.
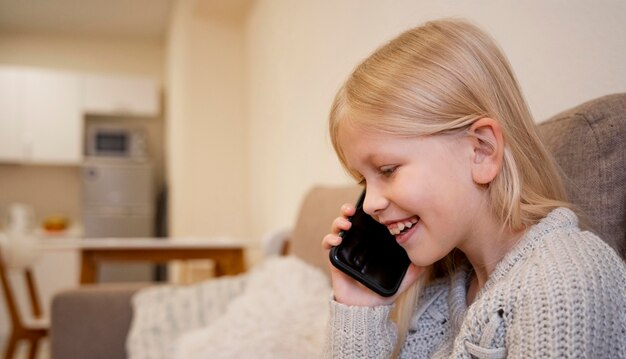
column 119, row 201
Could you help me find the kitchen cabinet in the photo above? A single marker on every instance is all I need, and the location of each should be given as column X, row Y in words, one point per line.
column 42, row 111
column 119, row 95
column 40, row 117
column 10, row 124
column 53, row 122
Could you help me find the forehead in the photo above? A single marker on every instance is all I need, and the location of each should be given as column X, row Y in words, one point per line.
column 358, row 144
column 351, row 137
column 350, row 129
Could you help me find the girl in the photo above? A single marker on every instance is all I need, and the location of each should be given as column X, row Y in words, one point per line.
column 433, row 124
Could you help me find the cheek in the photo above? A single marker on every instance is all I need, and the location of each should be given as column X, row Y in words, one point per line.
column 435, row 190
column 443, row 200
column 452, row 178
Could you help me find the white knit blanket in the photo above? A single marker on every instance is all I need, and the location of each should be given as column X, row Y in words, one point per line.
column 278, row 310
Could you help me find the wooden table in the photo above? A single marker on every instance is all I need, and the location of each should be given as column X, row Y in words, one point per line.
column 228, row 255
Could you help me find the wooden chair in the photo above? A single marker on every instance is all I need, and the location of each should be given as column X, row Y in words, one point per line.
column 31, row 330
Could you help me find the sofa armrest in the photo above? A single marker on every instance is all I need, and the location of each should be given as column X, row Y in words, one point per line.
column 92, row 321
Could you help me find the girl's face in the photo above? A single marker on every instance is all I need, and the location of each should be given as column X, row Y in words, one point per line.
column 421, row 188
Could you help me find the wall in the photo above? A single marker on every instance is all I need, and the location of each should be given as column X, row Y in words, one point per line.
column 206, row 129
column 84, row 53
column 299, row 52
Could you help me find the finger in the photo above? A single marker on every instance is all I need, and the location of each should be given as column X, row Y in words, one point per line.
column 330, row 240
column 347, row 210
column 340, row 224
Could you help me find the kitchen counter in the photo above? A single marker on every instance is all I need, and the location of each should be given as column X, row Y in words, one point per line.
column 64, row 243
column 228, row 254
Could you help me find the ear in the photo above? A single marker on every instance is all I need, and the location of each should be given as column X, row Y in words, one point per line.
column 487, row 150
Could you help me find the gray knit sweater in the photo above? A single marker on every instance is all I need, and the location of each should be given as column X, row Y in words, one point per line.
column 559, row 293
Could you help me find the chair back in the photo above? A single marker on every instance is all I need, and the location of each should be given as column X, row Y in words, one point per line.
column 32, row 331
column 8, row 291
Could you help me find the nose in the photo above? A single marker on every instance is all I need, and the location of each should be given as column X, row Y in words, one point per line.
column 375, row 202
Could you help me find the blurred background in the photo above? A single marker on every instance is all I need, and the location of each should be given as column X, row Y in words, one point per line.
column 207, row 118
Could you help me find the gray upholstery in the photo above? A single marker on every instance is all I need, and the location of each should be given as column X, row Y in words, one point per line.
column 91, row 322
column 589, row 144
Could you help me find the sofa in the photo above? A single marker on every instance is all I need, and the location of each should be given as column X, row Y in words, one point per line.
column 588, row 142
column 92, row 321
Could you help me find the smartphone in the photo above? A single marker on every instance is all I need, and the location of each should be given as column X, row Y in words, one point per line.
column 370, row 254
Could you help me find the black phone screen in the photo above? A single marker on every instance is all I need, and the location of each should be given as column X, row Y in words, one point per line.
column 370, row 254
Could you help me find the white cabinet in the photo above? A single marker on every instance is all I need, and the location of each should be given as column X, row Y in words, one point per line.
column 40, row 118
column 53, row 123
column 118, row 95
column 42, row 111
column 10, row 122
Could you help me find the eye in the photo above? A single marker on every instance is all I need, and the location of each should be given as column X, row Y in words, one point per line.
column 387, row 171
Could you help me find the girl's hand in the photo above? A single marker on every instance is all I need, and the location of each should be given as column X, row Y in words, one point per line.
column 347, row 290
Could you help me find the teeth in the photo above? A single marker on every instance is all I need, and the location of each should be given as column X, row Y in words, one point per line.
column 396, row 228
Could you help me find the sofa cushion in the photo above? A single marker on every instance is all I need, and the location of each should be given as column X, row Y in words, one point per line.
column 588, row 144
column 317, row 212
column 91, row 322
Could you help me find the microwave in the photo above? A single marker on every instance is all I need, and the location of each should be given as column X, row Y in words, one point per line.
column 116, row 140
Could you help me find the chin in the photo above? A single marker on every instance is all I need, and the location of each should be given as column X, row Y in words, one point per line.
column 423, row 260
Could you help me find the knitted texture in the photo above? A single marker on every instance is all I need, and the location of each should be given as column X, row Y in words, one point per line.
column 277, row 310
column 281, row 314
column 559, row 293
column 161, row 314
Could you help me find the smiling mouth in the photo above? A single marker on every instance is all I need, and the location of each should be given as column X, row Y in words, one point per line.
column 402, row 226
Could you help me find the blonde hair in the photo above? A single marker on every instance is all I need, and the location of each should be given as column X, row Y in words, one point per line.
column 440, row 78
